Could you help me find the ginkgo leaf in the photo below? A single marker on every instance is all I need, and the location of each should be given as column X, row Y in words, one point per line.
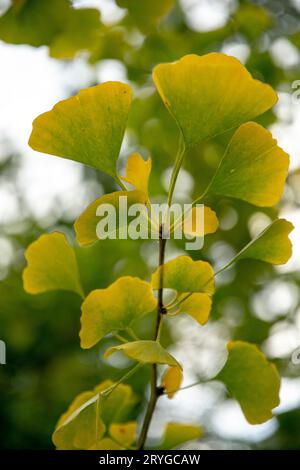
column 88, row 127
column 254, row 167
column 146, row 14
column 146, row 352
column 185, row 275
column 210, row 94
column 86, row 224
column 123, row 433
column 84, row 424
column 80, row 427
column 172, row 380
column 198, row 306
column 51, row 265
column 138, row 172
column 177, row 433
column 114, row 308
column 272, row 245
column 251, row 380
column 200, row 221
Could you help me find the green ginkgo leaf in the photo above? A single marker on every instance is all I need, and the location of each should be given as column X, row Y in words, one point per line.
column 147, row 13
column 185, row 275
column 81, row 426
column 210, row 94
column 114, row 308
column 51, row 265
column 86, row 224
column 146, row 352
column 251, row 380
column 178, row 433
column 272, row 245
column 254, row 167
column 87, row 128
column 90, row 415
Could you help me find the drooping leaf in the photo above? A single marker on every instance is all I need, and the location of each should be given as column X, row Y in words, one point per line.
column 172, row 380
column 272, row 245
column 51, row 265
column 123, row 433
column 254, row 167
column 81, row 426
column 177, row 433
column 90, row 415
column 138, row 172
column 185, row 275
column 87, row 128
column 146, row 14
column 146, row 352
column 200, row 221
column 86, row 224
column 252, row 380
column 114, row 308
column 198, row 306
column 210, row 94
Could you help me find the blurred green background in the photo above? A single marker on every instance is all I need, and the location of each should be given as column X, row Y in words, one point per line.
column 48, row 50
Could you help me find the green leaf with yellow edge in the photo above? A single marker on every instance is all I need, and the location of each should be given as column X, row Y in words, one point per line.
column 114, row 308
column 210, row 94
column 198, row 306
column 51, row 265
column 272, row 245
column 90, row 415
column 81, row 426
column 200, row 221
column 146, row 352
column 185, row 275
column 147, row 13
column 172, row 380
column 87, row 128
column 254, row 168
column 251, row 380
column 86, row 224
column 123, row 433
column 138, row 172
column 177, row 433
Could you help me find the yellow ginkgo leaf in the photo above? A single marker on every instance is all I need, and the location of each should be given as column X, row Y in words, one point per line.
column 52, row 265
column 185, row 275
column 86, row 224
column 123, row 433
column 254, row 168
column 172, row 380
column 138, row 172
column 146, row 352
column 252, row 380
column 88, row 127
column 200, row 221
column 198, row 306
column 210, row 94
column 114, row 308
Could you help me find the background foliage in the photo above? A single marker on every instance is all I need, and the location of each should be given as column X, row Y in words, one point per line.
column 46, row 367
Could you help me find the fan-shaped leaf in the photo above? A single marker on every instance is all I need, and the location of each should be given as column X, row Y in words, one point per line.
column 252, row 380
column 210, row 94
column 51, row 265
column 171, row 380
column 88, row 127
column 114, row 308
column 138, row 172
column 178, row 433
